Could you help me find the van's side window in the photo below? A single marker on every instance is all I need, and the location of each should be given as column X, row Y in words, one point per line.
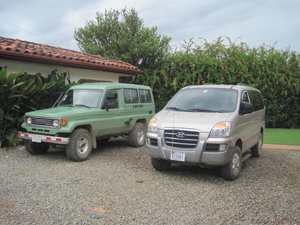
column 256, row 100
column 245, row 97
column 131, row 96
column 145, row 96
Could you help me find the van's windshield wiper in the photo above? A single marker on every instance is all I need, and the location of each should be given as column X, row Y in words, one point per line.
column 175, row 108
column 202, row 110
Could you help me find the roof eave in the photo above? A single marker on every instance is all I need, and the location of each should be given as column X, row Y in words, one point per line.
column 18, row 56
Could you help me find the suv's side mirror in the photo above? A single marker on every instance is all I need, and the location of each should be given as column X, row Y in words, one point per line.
column 246, row 107
column 108, row 105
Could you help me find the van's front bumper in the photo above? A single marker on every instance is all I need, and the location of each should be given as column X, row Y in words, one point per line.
column 196, row 155
column 37, row 138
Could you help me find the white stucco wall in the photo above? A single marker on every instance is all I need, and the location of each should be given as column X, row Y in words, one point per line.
column 75, row 74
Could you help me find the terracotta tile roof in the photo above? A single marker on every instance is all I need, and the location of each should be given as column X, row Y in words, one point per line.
column 19, row 50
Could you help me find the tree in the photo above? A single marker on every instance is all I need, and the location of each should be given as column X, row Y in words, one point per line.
column 121, row 35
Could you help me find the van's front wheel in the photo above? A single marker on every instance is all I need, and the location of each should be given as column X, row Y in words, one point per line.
column 80, row 146
column 232, row 170
column 137, row 137
column 160, row 164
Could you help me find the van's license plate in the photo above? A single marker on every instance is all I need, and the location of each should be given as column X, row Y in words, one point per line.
column 177, row 156
column 36, row 138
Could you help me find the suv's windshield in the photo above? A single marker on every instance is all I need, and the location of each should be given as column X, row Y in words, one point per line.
column 82, row 98
column 204, row 100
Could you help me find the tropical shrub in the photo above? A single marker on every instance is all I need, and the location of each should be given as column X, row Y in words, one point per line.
column 275, row 73
column 22, row 92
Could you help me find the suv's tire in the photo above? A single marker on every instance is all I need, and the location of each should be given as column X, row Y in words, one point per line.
column 232, row 170
column 80, row 145
column 256, row 150
column 36, row 148
column 160, row 164
column 137, row 137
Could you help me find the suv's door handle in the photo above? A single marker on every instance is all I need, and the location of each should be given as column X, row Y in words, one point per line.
column 118, row 114
column 150, row 112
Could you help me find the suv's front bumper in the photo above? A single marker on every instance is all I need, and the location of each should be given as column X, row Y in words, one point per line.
column 37, row 138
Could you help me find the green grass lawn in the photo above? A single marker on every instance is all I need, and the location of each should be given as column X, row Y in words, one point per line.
column 282, row 136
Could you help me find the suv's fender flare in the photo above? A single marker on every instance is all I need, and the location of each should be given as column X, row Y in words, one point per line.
column 89, row 128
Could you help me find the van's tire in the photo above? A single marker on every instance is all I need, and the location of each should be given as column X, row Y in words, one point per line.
column 36, row 148
column 256, row 150
column 80, row 145
column 232, row 170
column 160, row 164
column 137, row 137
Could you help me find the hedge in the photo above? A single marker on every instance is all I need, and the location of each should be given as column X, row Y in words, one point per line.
column 276, row 73
column 22, row 92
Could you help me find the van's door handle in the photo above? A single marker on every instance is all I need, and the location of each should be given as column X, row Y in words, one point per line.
column 150, row 112
column 118, row 114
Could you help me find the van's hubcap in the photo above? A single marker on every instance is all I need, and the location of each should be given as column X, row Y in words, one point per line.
column 235, row 164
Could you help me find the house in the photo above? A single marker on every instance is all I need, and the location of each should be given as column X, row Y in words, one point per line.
column 18, row 55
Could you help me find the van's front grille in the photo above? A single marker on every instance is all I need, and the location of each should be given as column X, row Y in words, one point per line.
column 181, row 138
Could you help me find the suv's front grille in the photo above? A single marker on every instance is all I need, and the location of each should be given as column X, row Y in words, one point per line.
column 41, row 121
column 181, row 138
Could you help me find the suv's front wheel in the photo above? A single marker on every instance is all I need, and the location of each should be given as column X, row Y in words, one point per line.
column 80, row 146
column 137, row 137
column 36, row 148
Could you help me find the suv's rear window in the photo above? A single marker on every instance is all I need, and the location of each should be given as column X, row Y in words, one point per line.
column 145, row 96
column 131, row 96
column 205, row 100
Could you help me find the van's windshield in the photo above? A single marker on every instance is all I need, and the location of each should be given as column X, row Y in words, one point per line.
column 82, row 98
column 204, row 100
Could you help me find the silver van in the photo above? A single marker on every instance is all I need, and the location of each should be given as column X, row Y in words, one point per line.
column 208, row 125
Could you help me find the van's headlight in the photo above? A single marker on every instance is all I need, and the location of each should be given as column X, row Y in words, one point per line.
column 221, row 130
column 152, row 127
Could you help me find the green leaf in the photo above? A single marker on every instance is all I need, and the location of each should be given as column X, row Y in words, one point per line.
column 17, row 85
column 2, row 75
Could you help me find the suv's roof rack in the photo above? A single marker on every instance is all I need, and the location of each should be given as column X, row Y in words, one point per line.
column 241, row 84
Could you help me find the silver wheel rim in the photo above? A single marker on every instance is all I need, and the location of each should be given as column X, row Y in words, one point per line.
column 83, row 145
column 260, row 144
column 235, row 163
column 140, row 136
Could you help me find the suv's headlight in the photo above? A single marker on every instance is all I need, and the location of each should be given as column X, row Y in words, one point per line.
column 221, row 130
column 55, row 123
column 28, row 120
column 152, row 127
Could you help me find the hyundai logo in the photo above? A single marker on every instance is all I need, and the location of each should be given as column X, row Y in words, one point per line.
column 180, row 134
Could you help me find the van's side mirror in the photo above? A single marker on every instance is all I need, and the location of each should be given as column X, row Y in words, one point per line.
column 246, row 107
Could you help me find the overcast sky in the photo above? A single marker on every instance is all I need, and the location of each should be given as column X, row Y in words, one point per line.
column 53, row 22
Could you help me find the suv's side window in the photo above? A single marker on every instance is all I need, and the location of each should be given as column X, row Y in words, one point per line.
column 256, row 100
column 145, row 96
column 131, row 96
column 245, row 97
column 112, row 100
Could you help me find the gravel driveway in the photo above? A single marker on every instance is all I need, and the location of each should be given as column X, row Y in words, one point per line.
column 118, row 185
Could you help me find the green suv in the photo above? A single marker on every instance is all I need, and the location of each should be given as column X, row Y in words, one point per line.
column 88, row 115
